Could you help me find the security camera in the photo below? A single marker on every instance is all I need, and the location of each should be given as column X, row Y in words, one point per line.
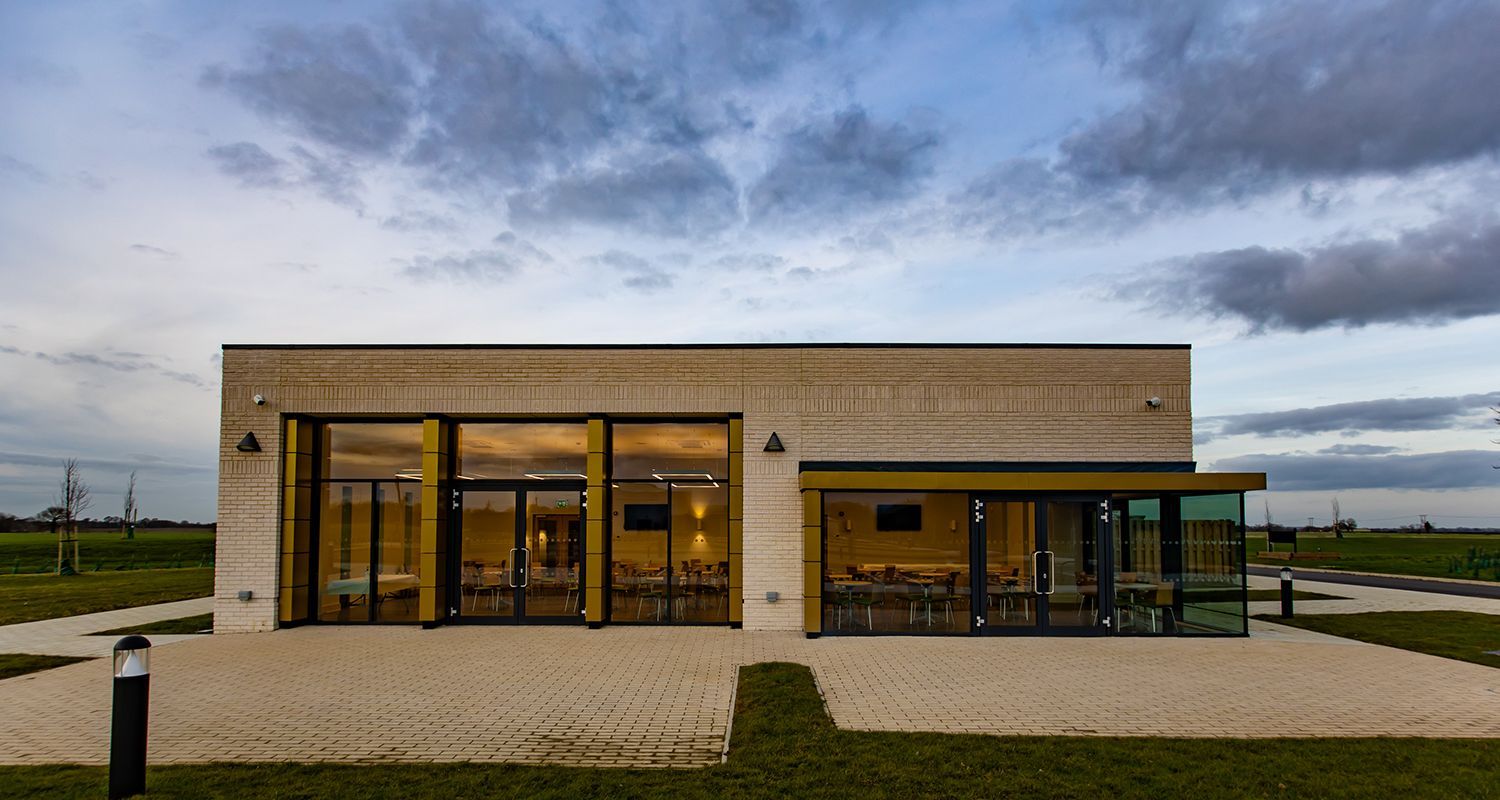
column 1154, row 402
column 260, row 399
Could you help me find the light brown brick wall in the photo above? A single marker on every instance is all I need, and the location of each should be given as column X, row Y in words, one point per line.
column 827, row 404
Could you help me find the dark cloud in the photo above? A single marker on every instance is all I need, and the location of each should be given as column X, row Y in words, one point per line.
column 335, row 178
column 1291, row 91
column 1442, row 273
column 115, row 361
column 251, row 164
column 640, row 274
column 143, row 463
column 1388, row 414
column 682, row 194
column 152, row 250
column 1358, row 450
column 841, row 165
column 508, row 257
column 1456, row 469
column 341, row 87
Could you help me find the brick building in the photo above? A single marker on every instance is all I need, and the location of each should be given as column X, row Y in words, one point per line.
column 833, row 489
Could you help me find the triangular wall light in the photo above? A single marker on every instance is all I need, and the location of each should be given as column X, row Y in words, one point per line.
column 773, row 444
column 248, row 444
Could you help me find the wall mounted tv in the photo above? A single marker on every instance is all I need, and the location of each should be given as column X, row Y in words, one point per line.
column 898, row 517
column 647, row 516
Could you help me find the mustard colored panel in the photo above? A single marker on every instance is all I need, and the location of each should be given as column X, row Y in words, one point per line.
column 298, row 437
column 297, row 502
column 1037, row 481
column 593, row 536
column 736, row 502
column 736, row 436
column 428, row 564
column 294, row 570
column 736, row 604
column 296, row 536
column 736, row 469
column 736, row 573
column 429, row 501
column 812, row 543
column 429, row 604
column 432, row 436
column 593, row 604
column 812, row 614
column 812, row 579
column 593, row 568
column 596, row 436
column 594, row 468
column 594, row 496
column 812, row 508
column 293, row 606
column 736, row 536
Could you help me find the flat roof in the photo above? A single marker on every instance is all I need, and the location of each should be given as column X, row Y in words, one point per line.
column 728, row 346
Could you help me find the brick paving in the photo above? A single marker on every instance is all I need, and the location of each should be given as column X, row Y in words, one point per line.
column 661, row 697
column 1360, row 599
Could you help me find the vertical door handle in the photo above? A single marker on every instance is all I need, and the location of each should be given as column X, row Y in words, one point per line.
column 1036, row 568
column 525, row 564
column 1051, row 571
column 510, row 574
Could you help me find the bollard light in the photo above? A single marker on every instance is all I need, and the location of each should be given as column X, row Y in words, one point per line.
column 1286, row 592
column 127, row 734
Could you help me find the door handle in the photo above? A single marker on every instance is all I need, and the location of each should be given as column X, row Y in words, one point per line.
column 1051, row 571
column 510, row 574
column 1036, row 568
column 525, row 565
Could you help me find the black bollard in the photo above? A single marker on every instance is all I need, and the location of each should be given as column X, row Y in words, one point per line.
column 127, row 732
column 1286, row 592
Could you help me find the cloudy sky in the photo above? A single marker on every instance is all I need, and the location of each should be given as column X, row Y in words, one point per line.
column 1303, row 191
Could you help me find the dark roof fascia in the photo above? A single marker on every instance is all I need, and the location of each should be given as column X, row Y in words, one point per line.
column 997, row 466
column 728, row 346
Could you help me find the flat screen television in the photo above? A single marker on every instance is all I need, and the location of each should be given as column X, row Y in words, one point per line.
column 646, row 516
column 898, row 517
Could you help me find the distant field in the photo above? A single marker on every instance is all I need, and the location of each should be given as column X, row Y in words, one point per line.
column 1421, row 554
column 105, row 550
column 25, row 598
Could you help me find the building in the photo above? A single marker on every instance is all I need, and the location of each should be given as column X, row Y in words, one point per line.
column 833, row 489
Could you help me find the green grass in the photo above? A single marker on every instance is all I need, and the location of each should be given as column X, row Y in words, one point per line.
column 197, row 623
column 1420, row 554
column 105, row 550
column 24, row 598
column 1463, row 635
column 1297, row 594
column 785, row 746
column 13, row 664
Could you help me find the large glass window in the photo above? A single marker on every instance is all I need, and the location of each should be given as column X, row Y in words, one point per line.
column 1145, row 592
column 670, row 450
column 1213, row 547
column 369, row 522
column 520, row 451
column 896, row 561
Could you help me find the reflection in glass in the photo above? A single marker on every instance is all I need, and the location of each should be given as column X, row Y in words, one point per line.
column 1144, row 589
column 700, row 554
column 640, row 518
column 683, row 450
column 349, row 529
column 1072, row 545
column 1010, row 542
column 520, row 451
column 896, row 561
column 378, row 451
column 1213, row 547
column 554, row 545
column 489, row 536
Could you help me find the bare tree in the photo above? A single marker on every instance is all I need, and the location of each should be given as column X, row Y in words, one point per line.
column 127, row 520
column 73, row 497
column 1338, row 521
column 53, row 516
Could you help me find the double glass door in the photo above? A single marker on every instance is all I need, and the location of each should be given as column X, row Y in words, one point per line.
column 1043, row 561
column 520, row 555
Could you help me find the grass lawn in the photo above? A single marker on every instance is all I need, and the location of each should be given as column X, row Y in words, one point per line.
column 31, row 552
column 1254, row 595
column 1463, row 635
column 194, row 624
column 13, row 664
column 785, row 746
column 24, row 598
column 1421, row 554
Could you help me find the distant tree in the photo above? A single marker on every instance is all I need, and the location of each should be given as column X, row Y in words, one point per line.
column 1338, row 526
column 52, row 516
column 73, row 496
column 127, row 522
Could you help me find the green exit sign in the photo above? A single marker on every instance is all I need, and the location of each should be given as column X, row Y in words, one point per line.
column 562, row 504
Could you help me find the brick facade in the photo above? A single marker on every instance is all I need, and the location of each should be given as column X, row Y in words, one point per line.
column 827, row 403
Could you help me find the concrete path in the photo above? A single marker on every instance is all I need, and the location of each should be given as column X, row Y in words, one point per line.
column 1467, row 588
column 69, row 636
column 1367, row 598
column 661, row 696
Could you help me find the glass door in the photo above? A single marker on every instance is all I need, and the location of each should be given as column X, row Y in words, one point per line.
column 519, row 555
column 1042, row 565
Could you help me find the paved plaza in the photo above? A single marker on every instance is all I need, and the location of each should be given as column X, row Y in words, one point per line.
column 661, row 696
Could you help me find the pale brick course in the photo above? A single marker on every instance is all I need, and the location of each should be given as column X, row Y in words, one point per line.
column 827, row 404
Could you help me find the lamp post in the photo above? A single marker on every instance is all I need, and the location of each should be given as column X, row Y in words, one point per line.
column 1286, row 592
column 127, row 734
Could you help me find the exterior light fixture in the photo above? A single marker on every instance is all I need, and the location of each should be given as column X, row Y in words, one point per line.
column 259, row 399
column 1153, row 402
column 773, row 444
column 248, row 444
column 127, row 730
